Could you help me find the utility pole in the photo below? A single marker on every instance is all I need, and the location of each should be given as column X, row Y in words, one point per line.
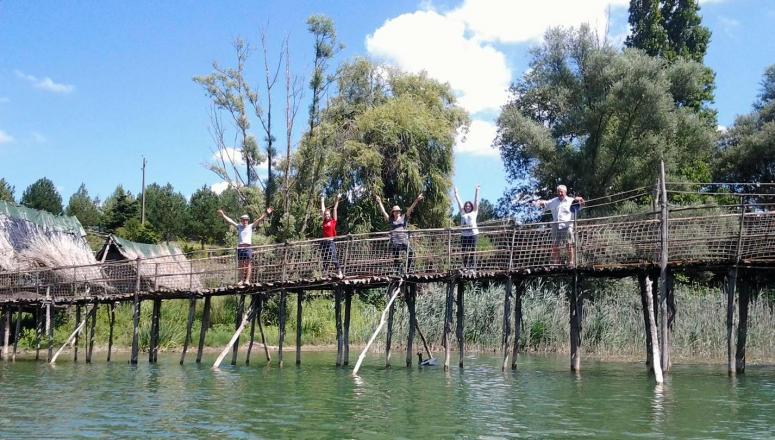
column 142, row 215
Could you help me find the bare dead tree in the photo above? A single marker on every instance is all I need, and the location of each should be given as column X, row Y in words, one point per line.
column 293, row 96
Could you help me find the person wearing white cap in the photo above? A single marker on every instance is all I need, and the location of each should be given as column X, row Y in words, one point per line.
column 563, row 212
column 399, row 239
column 245, row 241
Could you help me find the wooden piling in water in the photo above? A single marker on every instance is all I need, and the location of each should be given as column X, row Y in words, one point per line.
column 77, row 334
column 92, row 331
column 448, row 322
column 299, row 305
column 411, row 301
column 730, row 287
column 742, row 328
column 153, row 349
column 239, row 312
column 17, row 332
column 519, row 290
column 260, row 310
column 281, row 330
column 347, row 304
column 646, row 318
column 6, row 330
column 49, row 327
column 189, row 325
column 505, row 346
column 656, row 364
column 389, row 331
column 253, row 306
column 338, row 325
column 460, row 318
column 203, row 330
column 575, row 325
column 112, row 321
column 39, row 313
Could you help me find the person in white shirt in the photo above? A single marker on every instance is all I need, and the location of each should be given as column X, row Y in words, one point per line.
column 245, row 241
column 470, row 232
column 563, row 213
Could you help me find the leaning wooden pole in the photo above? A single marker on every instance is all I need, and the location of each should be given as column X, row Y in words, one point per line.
column 459, row 333
column 505, row 346
column 203, row 329
column 730, row 287
column 189, row 325
column 664, row 347
column 448, row 322
column 348, row 298
column 411, row 298
column 246, row 317
column 519, row 290
column 71, row 338
column 299, row 305
column 77, row 334
column 656, row 364
column 391, row 300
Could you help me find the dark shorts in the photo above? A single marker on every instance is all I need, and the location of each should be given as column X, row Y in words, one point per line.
column 244, row 254
column 562, row 235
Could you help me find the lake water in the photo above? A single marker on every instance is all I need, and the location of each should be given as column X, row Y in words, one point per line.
column 317, row 400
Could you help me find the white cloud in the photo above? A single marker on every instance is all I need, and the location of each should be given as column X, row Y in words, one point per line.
column 437, row 44
column 46, row 83
column 478, row 141
column 219, row 187
column 5, row 138
column 520, row 21
column 229, row 155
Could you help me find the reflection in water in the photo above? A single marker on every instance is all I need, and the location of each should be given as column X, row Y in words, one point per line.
column 318, row 400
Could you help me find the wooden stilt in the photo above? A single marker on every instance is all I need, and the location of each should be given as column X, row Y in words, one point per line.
column 73, row 335
column 575, row 326
column 742, row 328
column 299, row 302
column 664, row 342
column 77, row 334
column 6, row 331
column 239, row 312
column 112, row 319
column 203, row 329
column 448, row 322
column 730, row 287
column 338, row 324
column 347, row 303
column 49, row 327
column 505, row 339
column 460, row 318
column 670, row 318
column 646, row 319
column 253, row 306
column 389, row 332
column 260, row 310
column 411, row 299
column 153, row 350
column 243, row 321
column 92, row 331
column 422, row 338
column 17, row 332
column 39, row 327
column 189, row 325
column 519, row 290
column 135, row 332
column 396, row 289
column 282, row 328
column 656, row 364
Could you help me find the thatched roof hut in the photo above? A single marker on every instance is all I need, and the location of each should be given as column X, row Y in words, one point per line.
column 32, row 239
column 163, row 266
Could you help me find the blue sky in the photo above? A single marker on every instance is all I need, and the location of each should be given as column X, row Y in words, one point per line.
column 87, row 88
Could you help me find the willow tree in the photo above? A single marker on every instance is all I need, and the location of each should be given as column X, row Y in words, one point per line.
column 387, row 133
column 600, row 120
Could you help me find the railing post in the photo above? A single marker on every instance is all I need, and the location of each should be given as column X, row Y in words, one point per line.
column 285, row 262
column 346, row 254
column 739, row 253
column 511, row 248
column 449, row 249
column 408, row 251
column 156, row 277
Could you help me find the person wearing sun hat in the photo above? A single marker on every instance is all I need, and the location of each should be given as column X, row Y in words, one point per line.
column 399, row 239
column 245, row 241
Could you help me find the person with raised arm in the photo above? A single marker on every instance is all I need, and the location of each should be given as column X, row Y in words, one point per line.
column 470, row 232
column 563, row 212
column 244, row 242
column 328, row 246
column 399, row 239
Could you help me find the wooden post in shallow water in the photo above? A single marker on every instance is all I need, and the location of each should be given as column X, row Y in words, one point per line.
column 39, row 327
column 299, row 305
column 411, row 299
column 656, row 364
column 153, row 349
column 260, row 310
column 391, row 298
column 730, row 285
column 17, row 332
column 239, row 312
column 505, row 346
column 49, row 327
column 519, row 290
column 742, row 328
column 460, row 317
column 664, row 285
column 389, row 331
column 348, row 298
column 6, row 313
column 281, row 330
column 448, row 322
column 338, row 325
column 647, row 319
column 92, row 331
column 112, row 319
column 575, row 324
column 243, row 321
column 203, row 329
column 253, row 306
column 136, row 318
column 78, row 333
column 189, row 324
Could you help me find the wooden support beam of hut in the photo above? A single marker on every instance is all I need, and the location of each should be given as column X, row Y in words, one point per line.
column 389, row 331
column 77, row 334
column 299, row 305
column 39, row 329
column 136, row 317
column 664, row 286
column 112, row 321
column 656, row 364
column 644, row 299
column 92, row 331
column 203, row 330
column 730, row 285
column 460, row 318
column 153, row 349
column 239, row 312
column 73, row 335
column 189, row 325
column 505, row 339
column 575, row 325
column 448, row 322
column 17, row 332
column 338, row 325
column 396, row 289
column 411, row 300
column 49, row 326
column 348, row 298
column 519, row 291
column 259, row 312
column 251, row 341
column 742, row 328
column 6, row 330
column 281, row 330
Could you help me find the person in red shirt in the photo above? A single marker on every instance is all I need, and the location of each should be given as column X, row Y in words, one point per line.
column 328, row 245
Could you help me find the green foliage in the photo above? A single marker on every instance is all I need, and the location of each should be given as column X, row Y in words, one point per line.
column 599, row 121
column 648, row 27
column 204, row 225
column 43, row 195
column 134, row 230
column 84, row 207
column 166, row 210
column 6, row 191
column 119, row 208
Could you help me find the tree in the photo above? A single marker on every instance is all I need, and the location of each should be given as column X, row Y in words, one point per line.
column 84, row 207
column 599, row 121
column 166, row 210
column 43, row 195
column 746, row 152
column 204, row 225
column 647, row 27
column 6, row 191
column 134, row 230
column 119, row 208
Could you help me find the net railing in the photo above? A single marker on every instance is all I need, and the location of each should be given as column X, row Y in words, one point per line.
column 746, row 236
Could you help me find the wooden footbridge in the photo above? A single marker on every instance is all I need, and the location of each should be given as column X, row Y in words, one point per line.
column 652, row 244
